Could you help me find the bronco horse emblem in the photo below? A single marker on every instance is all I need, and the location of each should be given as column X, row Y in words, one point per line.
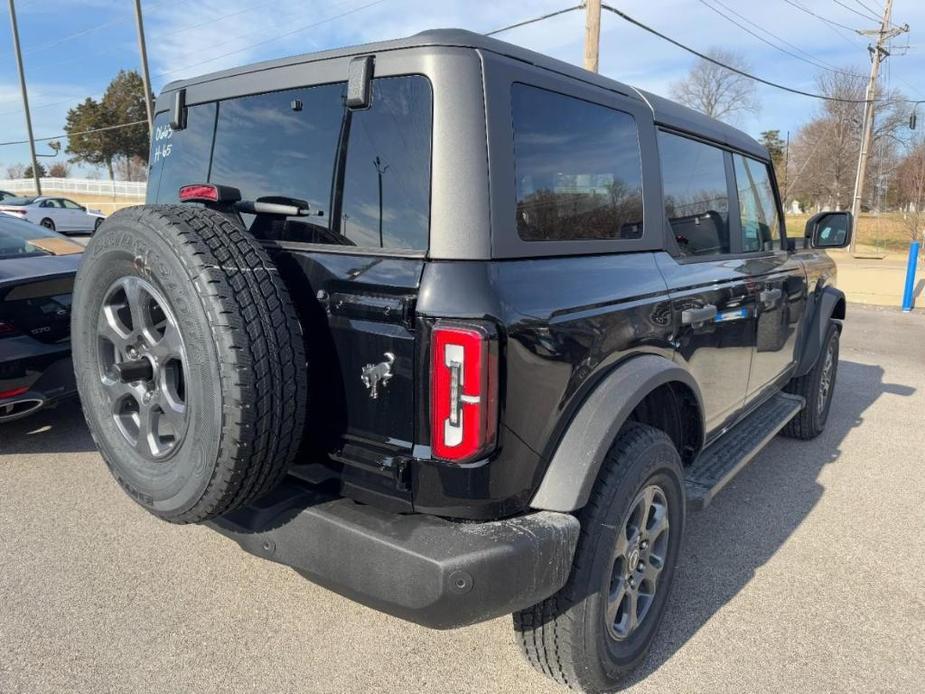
column 375, row 375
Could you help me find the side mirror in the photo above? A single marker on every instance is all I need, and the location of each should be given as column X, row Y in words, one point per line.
column 830, row 229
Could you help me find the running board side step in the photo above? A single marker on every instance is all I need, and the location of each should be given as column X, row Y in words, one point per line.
column 715, row 467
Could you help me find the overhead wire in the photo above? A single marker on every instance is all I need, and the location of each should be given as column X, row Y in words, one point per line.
column 810, row 59
column 535, row 19
column 704, row 56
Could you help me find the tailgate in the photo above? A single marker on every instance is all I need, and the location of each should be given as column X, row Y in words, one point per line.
column 357, row 313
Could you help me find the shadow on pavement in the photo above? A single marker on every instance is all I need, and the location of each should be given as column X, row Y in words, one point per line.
column 59, row 429
column 749, row 521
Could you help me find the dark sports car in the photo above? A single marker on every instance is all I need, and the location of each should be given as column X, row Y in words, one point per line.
column 37, row 269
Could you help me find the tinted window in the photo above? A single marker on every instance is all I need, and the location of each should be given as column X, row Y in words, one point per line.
column 757, row 206
column 281, row 144
column 19, row 238
column 180, row 157
column 390, row 146
column 577, row 167
column 696, row 196
column 286, row 144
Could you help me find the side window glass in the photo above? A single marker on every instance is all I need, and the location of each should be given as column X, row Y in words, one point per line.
column 386, row 195
column 757, row 206
column 696, row 195
column 577, row 168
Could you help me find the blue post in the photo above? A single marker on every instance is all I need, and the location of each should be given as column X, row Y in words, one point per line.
column 910, row 276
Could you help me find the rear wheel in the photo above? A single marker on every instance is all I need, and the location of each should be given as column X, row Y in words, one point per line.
column 189, row 361
column 48, row 223
column 600, row 625
column 817, row 388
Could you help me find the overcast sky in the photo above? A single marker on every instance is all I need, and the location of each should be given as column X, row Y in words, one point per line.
column 72, row 48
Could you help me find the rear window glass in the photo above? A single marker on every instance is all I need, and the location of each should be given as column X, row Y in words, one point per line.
column 365, row 174
column 18, row 238
column 577, row 166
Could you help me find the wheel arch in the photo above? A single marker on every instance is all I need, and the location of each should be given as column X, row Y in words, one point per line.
column 648, row 389
column 830, row 304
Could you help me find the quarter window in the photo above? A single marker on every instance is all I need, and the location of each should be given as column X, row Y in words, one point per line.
column 386, row 201
column 696, row 195
column 577, row 167
column 757, row 206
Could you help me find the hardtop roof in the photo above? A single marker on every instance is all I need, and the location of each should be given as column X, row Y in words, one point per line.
column 665, row 112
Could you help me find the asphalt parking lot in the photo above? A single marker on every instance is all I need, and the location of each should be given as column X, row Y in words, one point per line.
column 806, row 574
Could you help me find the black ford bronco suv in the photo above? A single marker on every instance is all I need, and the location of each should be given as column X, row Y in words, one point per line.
column 455, row 330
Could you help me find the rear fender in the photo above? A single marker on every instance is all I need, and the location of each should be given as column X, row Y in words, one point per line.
column 577, row 460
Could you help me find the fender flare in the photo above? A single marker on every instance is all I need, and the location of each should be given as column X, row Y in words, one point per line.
column 575, row 464
column 830, row 304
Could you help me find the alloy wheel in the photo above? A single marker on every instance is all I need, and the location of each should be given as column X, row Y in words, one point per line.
column 639, row 557
column 142, row 366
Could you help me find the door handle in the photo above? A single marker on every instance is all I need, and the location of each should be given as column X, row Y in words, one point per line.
column 697, row 316
column 770, row 296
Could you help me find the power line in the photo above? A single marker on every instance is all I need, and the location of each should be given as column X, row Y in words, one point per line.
column 868, row 17
column 274, row 38
column 820, row 17
column 69, row 135
column 812, row 60
column 748, row 75
column 63, row 39
column 867, row 7
column 536, row 19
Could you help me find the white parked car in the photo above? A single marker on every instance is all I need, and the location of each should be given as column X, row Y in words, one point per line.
column 58, row 214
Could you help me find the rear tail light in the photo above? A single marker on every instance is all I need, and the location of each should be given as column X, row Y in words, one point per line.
column 464, row 391
column 7, row 329
column 18, row 213
column 199, row 193
column 14, row 393
column 208, row 192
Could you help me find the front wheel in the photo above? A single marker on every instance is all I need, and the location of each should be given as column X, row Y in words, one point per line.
column 817, row 388
column 599, row 627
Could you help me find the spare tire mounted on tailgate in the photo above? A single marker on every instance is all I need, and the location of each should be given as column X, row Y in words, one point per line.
column 189, row 360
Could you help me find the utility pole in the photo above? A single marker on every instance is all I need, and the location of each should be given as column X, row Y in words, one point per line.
column 25, row 99
column 145, row 75
column 877, row 55
column 592, row 34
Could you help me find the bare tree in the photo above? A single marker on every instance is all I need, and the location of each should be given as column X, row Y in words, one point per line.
column 15, row 170
column 60, row 169
column 716, row 91
column 824, row 152
column 910, row 190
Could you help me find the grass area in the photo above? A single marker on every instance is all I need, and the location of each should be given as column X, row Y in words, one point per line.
column 884, row 232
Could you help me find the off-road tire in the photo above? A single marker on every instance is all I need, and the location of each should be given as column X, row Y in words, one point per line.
column 810, row 421
column 246, row 385
column 565, row 636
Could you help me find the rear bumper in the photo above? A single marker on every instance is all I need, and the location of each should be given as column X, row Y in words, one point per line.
column 428, row 570
column 38, row 381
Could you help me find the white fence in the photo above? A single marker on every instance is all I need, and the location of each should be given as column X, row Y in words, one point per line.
column 77, row 185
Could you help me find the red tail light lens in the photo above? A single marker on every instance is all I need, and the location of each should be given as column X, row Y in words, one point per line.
column 464, row 392
column 14, row 393
column 199, row 193
column 7, row 329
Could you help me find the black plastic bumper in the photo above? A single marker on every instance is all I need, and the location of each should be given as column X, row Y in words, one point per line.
column 428, row 570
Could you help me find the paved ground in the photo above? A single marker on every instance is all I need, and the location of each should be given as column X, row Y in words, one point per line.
column 878, row 280
column 805, row 575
